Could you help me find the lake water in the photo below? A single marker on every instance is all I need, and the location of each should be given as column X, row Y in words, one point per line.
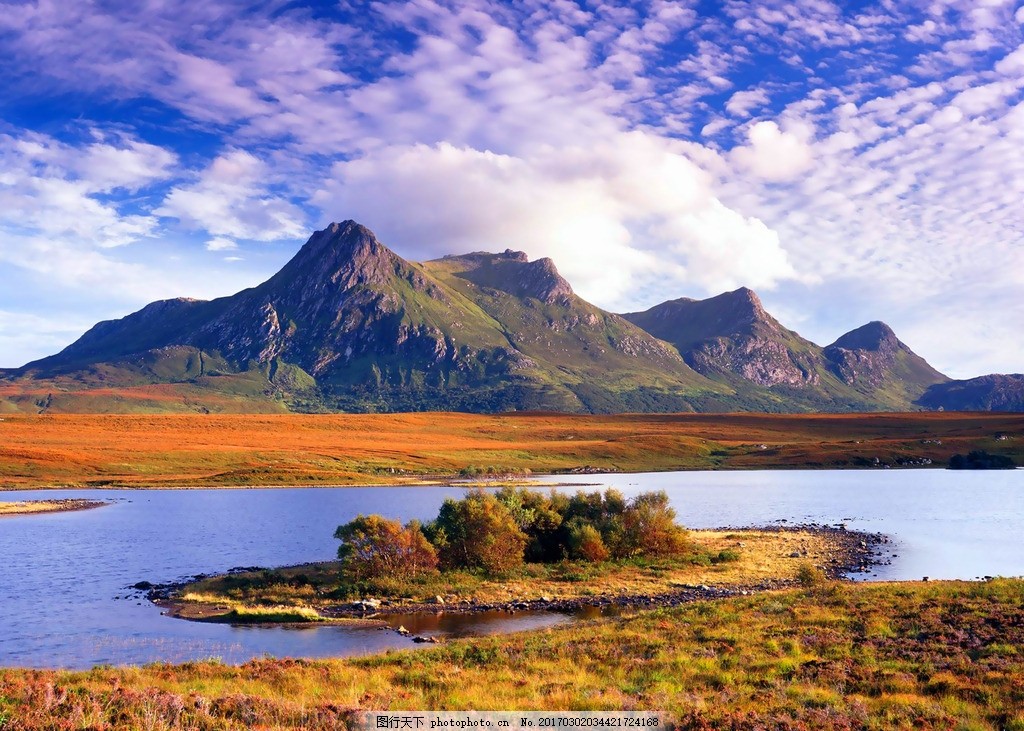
column 63, row 576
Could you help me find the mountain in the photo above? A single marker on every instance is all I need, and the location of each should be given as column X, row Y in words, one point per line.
column 732, row 334
column 732, row 338
column 347, row 324
column 874, row 362
column 986, row 393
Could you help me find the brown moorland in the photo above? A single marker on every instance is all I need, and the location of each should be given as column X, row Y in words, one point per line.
column 343, row 449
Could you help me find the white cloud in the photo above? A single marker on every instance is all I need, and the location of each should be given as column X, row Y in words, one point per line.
column 773, row 154
column 232, row 199
column 987, row 97
column 611, row 216
column 715, row 126
column 221, row 244
column 56, row 189
column 25, row 336
column 742, row 103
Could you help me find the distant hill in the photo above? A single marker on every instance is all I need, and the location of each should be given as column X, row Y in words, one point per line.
column 985, row 393
column 731, row 338
column 349, row 325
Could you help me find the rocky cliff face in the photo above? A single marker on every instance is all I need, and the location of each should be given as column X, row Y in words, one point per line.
column 513, row 273
column 865, row 355
column 872, row 360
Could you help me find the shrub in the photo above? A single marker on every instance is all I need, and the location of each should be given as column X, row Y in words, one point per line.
column 478, row 532
column 603, row 511
column 807, row 574
column 373, row 547
column 537, row 515
column 585, row 543
column 649, row 528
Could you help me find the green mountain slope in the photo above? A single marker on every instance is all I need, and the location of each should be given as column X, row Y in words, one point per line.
column 996, row 392
column 874, row 362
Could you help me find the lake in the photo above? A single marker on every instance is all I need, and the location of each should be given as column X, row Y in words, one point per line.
column 63, row 576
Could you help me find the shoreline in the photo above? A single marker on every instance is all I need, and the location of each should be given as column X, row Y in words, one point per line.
column 851, row 552
column 432, row 480
column 45, row 507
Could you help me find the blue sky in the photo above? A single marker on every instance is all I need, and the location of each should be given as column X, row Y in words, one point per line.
column 849, row 161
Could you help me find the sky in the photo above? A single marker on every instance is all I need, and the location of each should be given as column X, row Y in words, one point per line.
column 849, row 161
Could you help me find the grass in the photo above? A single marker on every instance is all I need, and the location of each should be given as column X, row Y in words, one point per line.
column 345, row 449
column 718, row 558
column 937, row 655
column 277, row 615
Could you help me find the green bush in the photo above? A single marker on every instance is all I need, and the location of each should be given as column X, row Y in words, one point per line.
column 808, row 575
column 478, row 532
column 373, row 547
column 586, row 543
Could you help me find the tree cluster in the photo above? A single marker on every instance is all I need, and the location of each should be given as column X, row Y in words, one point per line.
column 496, row 532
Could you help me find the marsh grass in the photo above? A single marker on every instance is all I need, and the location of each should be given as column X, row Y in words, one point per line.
column 244, row 614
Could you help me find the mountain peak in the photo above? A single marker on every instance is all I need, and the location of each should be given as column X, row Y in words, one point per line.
column 872, row 355
column 743, row 304
column 732, row 333
column 343, row 255
column 874, row 336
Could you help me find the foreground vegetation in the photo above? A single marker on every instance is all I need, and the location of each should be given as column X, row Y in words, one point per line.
column 336, row 449
column 495, row 533
column 938, row 655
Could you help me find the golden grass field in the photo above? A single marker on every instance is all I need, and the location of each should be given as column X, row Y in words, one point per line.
column 340, row 449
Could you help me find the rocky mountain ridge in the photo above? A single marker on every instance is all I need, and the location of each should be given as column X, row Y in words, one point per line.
column 348, row 324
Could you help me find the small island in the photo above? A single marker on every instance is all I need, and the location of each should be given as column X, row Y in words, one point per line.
column 37, row 507
column 515, row 549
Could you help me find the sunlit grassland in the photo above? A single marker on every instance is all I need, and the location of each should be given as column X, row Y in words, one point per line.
column 939, row 655
column 344, row 449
